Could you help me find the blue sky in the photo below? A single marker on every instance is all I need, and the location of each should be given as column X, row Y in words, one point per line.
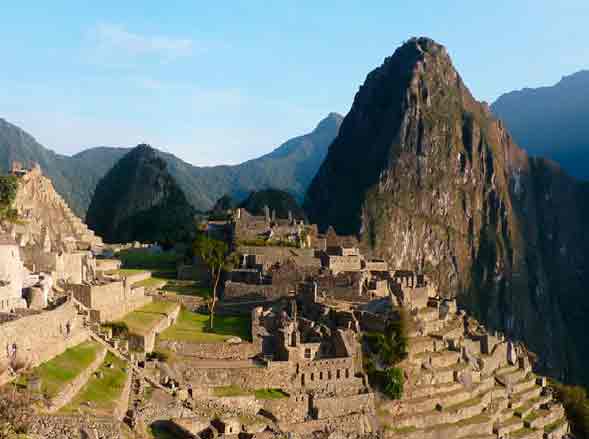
column 222, row 82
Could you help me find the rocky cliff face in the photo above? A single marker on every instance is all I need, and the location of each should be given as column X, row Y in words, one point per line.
column 430, row 180
column 138, row 200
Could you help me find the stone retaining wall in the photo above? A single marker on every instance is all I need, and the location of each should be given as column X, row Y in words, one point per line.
column 214, row 351
column 73, row 387
column 146, row 342
column 40, row 337
column 342, row 406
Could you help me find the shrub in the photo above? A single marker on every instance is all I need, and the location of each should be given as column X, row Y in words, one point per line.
column 575, row 402
column 8, row 188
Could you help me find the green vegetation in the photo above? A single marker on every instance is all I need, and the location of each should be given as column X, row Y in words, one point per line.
column 262, row 394
column 278, row 201
column 188, row 288
column 151, row 283
column 55, row 374
column 215, row 254
column 100, row 395
column 387, row 350
column 118, row 328
column 142, row 176
column 141, row 258
column 576, row 404
column 146, row 317
column 162, row 430
column 225, row 391
column 270, row 394
column 8, row 189
column 192, row 327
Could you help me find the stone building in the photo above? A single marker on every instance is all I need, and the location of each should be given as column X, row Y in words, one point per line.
column 12, row 275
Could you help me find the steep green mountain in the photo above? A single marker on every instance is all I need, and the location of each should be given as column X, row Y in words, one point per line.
column 430, row 180
column 138, row 200
column 279, row 201
column 552, row 121
column 290, row 167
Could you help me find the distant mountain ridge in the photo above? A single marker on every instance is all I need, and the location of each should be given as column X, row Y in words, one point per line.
column 552, row 121
column 290, row 167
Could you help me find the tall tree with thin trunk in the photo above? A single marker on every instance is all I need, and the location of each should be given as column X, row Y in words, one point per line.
column 214, row 254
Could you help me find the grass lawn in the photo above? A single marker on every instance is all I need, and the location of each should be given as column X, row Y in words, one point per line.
column 102, row 393
column 270, row 394
column 147, row 260
column 64, row 368
column 151, row 283
column 193, row 327
column 146, row 317
column 258, row 393
column 222, row 391
column 188, row 288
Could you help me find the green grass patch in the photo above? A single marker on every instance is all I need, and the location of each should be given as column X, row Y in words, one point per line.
column 193, row 327
column 151, row 283
column 102, row 393
column 270, row 394
column 135, row 258
column 146, row 317
column 188, row 288
column 225, row 391
column 58, row 372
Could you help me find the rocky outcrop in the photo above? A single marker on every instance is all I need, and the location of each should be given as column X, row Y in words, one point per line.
column 431, row 180
column 138, row 200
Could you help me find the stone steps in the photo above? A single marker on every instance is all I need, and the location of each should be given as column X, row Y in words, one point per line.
column 556, row 430
column 443, row 375
column 509, row 425
column 528, row 383
column 530, row 405
column 432, row 389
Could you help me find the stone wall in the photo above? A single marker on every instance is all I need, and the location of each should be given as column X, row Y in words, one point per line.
column 145, row 342
column 341, row 406
column 247, row 292
column 277, row 375
column 326, row 374
column 40, row 337
column 110, row 301
column 75, row 427
column 108, row 264
column 293, row 409
column 214, row 351
column 73, row 387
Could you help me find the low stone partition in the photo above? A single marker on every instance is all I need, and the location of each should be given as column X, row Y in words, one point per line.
column 74, row 386
column 334, row 407
column 213, row 351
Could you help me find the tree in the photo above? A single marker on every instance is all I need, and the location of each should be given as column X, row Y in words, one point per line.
column 214, row 254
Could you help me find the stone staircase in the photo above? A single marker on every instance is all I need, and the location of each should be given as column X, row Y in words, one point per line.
column 460, row 384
